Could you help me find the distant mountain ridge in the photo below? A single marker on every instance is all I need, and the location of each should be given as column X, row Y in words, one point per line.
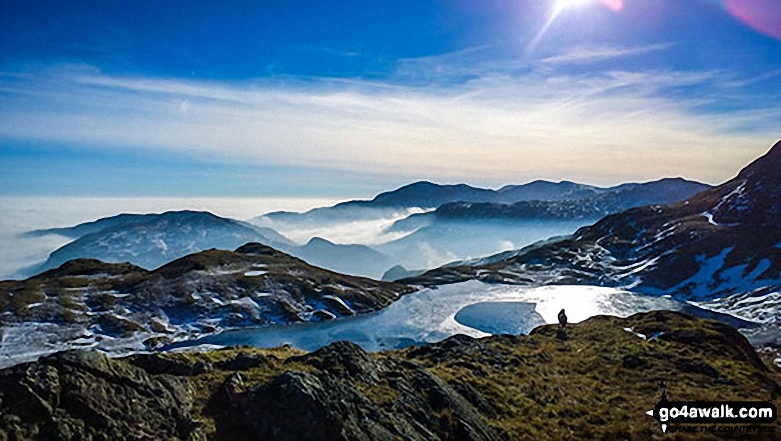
column 152, row 240
column 348, row 259
column 468, row 230
column 581, row 203
column 547, row 191
column 425, row 194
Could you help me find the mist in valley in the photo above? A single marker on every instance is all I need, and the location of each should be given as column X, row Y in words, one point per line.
column 358, row 241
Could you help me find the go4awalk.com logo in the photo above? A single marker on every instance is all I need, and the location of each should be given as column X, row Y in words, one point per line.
column 714, row 416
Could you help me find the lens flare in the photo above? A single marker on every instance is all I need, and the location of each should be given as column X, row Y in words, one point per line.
column 615, row 5
column 761, row 15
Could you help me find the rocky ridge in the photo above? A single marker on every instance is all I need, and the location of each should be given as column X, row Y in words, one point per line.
column 121, row 307
column 595, row 382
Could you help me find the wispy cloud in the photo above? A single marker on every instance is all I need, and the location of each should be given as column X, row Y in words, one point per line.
column 592, row 55
column 497, row 127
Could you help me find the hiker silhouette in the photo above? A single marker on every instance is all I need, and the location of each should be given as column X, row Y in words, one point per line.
column 562, row 319
column 561, row 334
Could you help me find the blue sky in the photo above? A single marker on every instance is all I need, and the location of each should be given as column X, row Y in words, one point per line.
column 318, row 98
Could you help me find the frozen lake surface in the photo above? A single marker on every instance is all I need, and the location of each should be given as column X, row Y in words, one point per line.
column 473, row 308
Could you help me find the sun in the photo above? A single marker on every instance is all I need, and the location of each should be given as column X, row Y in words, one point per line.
column 561, row 5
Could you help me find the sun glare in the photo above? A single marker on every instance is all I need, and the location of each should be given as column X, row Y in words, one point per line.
column 561, row 5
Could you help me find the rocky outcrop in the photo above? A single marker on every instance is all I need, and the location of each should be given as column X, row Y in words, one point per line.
column 595, row 382
column 85, row 395
column 353, row 395
column 123, row 308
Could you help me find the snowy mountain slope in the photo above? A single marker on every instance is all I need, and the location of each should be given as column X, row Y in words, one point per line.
column 718, row 243
column 120, row 306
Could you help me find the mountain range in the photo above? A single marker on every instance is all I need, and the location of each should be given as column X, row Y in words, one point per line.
column 588, row 203
column 461, row 230
column 428, row 196
column 594, row 379
column 720, row 243
column 152, row 240
column 720, row 247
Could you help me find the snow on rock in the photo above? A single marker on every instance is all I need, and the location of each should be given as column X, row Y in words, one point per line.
column 341, row 302
column 632, row 331
column 708, row 215
column 254, row 273
column 700, row 284
column 246, row 302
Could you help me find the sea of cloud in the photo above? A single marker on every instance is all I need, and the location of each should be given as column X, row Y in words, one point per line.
column 19, row 215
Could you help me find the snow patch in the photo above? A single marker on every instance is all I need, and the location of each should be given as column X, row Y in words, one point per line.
column 247, row 302
column 254, row 273
column 338, row 300
column 738, row 192
column 700, row 284
column 632, row 331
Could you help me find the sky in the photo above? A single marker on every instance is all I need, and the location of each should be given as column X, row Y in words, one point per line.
column 350, row 98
